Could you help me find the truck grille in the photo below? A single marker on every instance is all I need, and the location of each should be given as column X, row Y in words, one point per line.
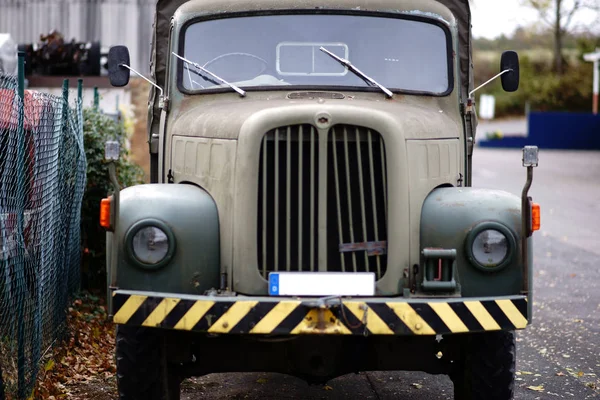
column 356, row 201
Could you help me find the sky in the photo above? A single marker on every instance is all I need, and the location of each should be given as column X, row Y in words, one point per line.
column 491, row 18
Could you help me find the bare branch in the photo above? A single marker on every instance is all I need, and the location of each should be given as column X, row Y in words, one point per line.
column 542, row 7
column 576, row 7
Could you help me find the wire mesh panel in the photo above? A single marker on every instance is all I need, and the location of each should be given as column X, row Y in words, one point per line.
column 42, row 179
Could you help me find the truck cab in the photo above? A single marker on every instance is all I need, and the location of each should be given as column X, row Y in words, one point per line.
column 311, row 209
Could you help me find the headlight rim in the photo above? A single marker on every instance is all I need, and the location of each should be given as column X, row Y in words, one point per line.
column 150, row 222
column 511, row 245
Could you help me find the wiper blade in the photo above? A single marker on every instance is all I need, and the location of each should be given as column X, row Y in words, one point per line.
column 218, row 78
column 357, row 71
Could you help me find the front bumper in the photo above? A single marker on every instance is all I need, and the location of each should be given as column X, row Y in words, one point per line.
column 329, row 316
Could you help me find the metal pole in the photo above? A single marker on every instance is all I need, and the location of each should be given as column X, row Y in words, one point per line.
column 21, row 385
column 79, row 89
column 96, row 98
column 596, row 88
column 63, row 289
column 112, row 173
column 525, row 220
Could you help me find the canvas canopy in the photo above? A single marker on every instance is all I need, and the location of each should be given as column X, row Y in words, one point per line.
column 166, row 8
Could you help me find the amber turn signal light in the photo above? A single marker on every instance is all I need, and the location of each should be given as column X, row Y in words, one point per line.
column 105, row 213
column 535, row 217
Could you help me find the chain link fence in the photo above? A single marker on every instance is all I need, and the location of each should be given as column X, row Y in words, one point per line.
column 42, row 181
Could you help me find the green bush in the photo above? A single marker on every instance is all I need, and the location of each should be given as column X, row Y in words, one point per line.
column 97, row 129
column 543, row 90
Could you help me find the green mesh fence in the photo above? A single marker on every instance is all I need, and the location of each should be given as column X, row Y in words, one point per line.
column 42, row 179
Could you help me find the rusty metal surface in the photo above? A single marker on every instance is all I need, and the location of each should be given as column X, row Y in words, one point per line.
column 372, row 248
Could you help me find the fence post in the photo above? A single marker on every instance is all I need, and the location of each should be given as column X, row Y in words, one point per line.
column 80, row 89
column 80, row 103
column 96, row 98
column 64, row 282
column 21, row 385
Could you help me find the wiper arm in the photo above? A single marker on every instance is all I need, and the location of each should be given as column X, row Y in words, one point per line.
column 357, row 71
column 199, row 67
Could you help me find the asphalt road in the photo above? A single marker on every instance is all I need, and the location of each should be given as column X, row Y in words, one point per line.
column 558, row 356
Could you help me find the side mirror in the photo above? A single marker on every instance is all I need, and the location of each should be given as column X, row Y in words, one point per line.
column 510, row 62
column 117, row 57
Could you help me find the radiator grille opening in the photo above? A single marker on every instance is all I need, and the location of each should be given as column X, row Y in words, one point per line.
column 356, row 206
column 357, row 201
column 287, row 204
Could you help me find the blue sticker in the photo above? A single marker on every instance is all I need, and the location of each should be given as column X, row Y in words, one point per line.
column 274, row 284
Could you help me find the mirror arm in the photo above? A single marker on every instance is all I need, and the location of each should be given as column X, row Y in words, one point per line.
column 483, row 84
column 143, row 77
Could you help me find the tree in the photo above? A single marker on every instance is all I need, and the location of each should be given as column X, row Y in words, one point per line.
column 558, row 15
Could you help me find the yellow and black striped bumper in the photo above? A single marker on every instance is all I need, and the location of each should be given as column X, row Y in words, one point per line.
column 285, row 316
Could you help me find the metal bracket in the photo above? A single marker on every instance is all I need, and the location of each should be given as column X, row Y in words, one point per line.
column 437, row 284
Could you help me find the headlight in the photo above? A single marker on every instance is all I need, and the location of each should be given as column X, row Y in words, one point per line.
column 490, row 246
column 150, row 244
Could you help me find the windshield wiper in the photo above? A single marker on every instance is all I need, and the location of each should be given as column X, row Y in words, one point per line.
column 357, row 71
column 223, row 81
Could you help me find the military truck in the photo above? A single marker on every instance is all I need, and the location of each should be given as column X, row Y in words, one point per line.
column 310, row 210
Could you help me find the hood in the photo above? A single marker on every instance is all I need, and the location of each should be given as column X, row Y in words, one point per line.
column 415, row 117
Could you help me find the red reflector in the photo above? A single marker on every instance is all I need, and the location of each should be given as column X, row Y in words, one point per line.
column 535, row 217
column 105, row 213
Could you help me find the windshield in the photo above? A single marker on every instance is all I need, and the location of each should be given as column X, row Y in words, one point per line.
column 283, row 50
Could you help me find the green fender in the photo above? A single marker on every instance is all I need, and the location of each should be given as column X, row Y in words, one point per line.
column 450, row 214
column 190, row 214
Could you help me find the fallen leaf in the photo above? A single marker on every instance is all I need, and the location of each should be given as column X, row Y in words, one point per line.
column 560, row 373
column 49, row 365
column 580, row 374
column 262, row 380
column 526, row 373
column 566, row 356
column 416, row 385
column 327, row 387
column 536, row 388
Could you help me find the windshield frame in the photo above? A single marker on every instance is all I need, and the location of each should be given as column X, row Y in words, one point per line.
column 391, row 14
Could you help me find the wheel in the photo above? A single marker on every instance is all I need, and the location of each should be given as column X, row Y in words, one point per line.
column 487, row 368
column 142, row 369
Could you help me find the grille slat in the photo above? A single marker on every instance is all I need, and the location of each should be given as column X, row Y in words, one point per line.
column 349, row 193
column 338, row 204
column 363, row 208
column 288, row 199
column 312, row 199
column 276, row 209
column 337, row 200
column 382, row 152
column 264, row 206
column 300, row 162
column 373, row 200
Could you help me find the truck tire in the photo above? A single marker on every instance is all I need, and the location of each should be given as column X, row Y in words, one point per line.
column 487, row 368
column 142, row 369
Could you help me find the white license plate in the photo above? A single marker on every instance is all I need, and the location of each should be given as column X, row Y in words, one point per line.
column 321, row 284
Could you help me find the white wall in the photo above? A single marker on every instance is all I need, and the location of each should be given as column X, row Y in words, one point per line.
column 111, row 22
